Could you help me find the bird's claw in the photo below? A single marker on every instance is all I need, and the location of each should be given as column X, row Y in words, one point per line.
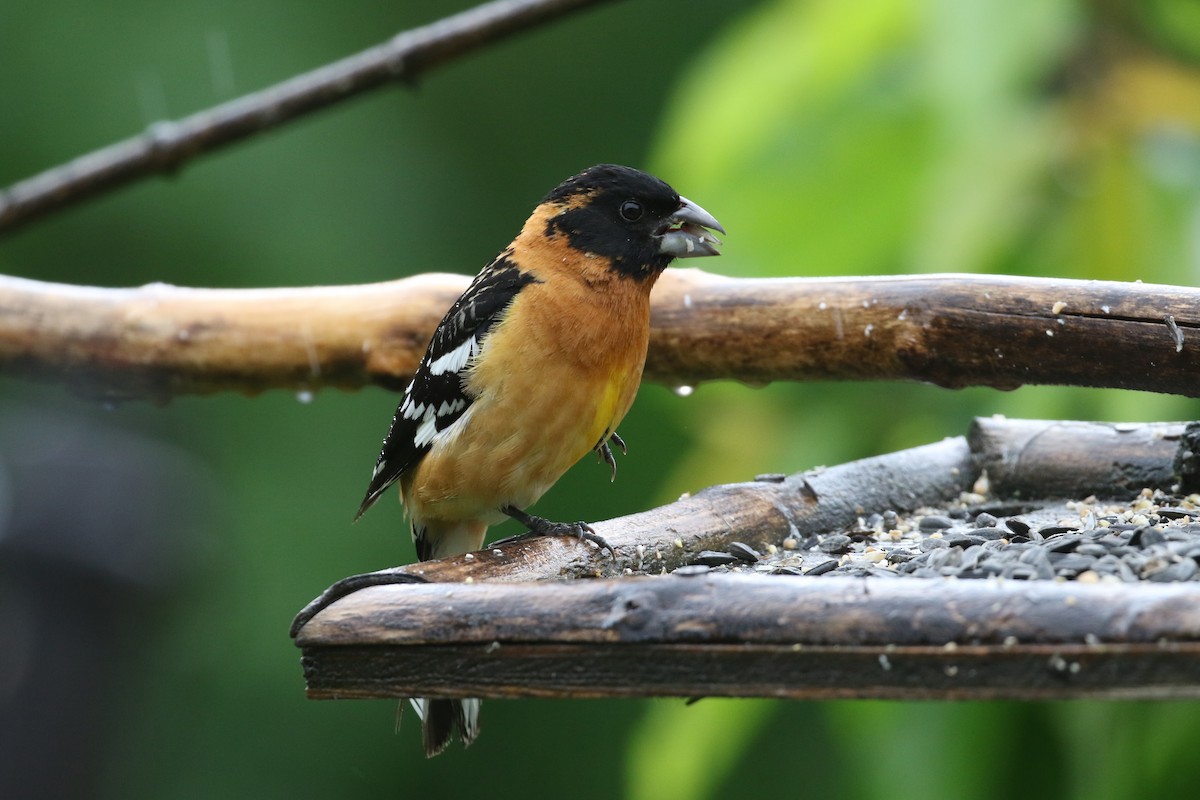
column 585, row 532
column 605, row 453
column 543, row 527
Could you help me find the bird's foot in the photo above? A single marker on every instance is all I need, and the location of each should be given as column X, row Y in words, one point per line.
column 605, row 452
column 539, row 526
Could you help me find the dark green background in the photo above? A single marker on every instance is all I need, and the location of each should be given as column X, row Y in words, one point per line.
column 1049, row 138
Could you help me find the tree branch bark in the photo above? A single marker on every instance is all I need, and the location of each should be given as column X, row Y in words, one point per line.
column 158, row 341
column 165, row 146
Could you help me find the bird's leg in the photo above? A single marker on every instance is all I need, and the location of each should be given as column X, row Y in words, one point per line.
column 539, row 526
column 605, row 453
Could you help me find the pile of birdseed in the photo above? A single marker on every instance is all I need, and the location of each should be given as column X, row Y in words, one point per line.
column 1153, row 537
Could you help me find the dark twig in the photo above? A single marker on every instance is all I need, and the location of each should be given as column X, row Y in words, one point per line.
column 165, row 146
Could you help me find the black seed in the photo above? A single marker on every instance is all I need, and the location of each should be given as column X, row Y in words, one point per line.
column 1020, row 572
column 744, row 552
column 946, row 557
column 935, row 522
column 991, row 533
column 712, row 558
column 825, row 566
column 1040, row 562
column 837, row 543
column 1063, row 543
column 1071, row 564
column 1111, row 541
column 973, row 555
column 1017, row 526
column 1192, row 551
column 1177, row 513
column 1147, row 536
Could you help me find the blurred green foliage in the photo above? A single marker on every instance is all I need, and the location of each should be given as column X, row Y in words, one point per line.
column 1042, row 137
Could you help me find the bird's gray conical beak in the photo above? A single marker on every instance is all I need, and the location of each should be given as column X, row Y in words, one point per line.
column 687, row 236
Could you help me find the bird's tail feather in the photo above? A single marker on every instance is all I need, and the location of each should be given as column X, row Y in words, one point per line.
column 442, row 719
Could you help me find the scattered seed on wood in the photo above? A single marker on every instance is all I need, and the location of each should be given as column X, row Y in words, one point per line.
column 713, row 558
column 744, row 552
column 1176, row 332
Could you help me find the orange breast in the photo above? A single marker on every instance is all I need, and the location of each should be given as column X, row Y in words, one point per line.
column 554, row 377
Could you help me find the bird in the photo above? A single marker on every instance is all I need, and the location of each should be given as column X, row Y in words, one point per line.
column 531, row 369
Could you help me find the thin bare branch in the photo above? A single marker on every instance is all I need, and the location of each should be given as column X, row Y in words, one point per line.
column 158, row 341
column 165, row 146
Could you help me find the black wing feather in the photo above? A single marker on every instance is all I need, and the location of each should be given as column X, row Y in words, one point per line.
column 436, row 394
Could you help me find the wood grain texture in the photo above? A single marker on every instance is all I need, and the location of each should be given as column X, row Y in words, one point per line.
column 159, row 341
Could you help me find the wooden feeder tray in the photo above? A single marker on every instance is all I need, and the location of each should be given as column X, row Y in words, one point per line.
column 834, row 583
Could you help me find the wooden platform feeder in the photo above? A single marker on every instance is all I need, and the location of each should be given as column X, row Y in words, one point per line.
column 557, row 618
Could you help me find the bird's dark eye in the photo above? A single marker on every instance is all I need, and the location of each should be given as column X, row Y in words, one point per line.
column 631, row 211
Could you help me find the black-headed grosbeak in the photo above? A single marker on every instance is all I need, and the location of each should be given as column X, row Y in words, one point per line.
column 530, row 370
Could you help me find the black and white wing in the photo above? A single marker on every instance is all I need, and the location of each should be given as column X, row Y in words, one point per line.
column 435, row 398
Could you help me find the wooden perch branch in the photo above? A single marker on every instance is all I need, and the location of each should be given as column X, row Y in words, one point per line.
column 166, row 146
column 485, row 626
column 952, row 330
column 158, row 341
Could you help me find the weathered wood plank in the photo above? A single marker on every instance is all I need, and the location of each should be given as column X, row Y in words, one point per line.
column 758, row 636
